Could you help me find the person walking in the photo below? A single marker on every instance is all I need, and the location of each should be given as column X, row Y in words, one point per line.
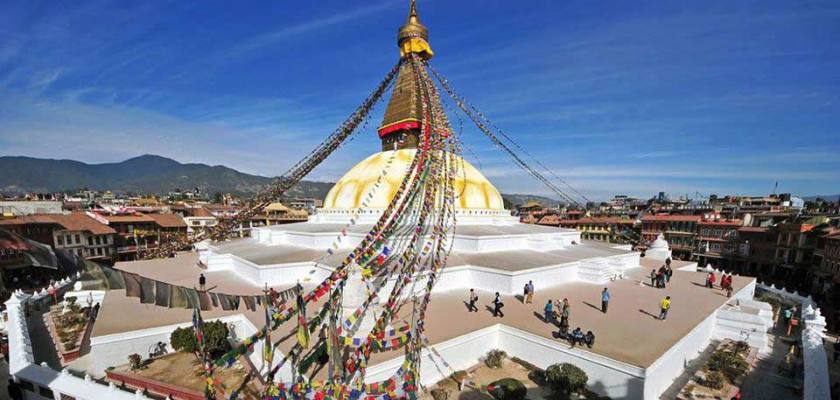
column 668, row 271
column 202, row 281
column 605, row 300
column 548, row 312
column 497, row 306
column 473, row 299
column 664, row 306
column 653, row 277
column 529, row 297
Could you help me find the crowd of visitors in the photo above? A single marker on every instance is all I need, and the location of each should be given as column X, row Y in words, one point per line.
column 660, row 278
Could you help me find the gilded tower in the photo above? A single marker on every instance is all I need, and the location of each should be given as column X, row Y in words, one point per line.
column 400, row 127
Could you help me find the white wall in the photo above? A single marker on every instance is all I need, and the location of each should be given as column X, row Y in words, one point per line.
column 610, row 377
column 22, row 365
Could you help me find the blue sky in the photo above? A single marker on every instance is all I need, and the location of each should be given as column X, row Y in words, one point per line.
column 616, row 97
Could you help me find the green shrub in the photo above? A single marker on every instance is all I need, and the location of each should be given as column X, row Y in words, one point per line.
column 538, row 376
column 135, row 362
column 215, row 338
column 507, row 389
column 714, row 380
column 728, row 363
column 494, row 358
column 183, row 339
column 566, row 377
column 440, row 394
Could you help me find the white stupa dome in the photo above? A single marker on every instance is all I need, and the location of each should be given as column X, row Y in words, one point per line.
column 472, row 190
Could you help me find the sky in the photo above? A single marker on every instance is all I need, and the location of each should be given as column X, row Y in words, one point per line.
column 689, row 98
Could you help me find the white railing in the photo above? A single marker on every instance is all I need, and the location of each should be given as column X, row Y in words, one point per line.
column 817, row 385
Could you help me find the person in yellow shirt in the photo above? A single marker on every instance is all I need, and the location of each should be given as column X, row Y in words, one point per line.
column 664, row 306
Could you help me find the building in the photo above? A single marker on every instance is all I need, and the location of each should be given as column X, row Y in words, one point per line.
column 828, row 273
column 78, row 233
column 278, row 213
column 716, row 240
column 136, row 232
column 756, row 251
column 680, row 232
column 603, row 229
column 14, row 208
column 198, row 219
column 795, row 249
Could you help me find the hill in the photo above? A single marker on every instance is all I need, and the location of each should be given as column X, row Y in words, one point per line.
column 144, row 174
column 158, row 175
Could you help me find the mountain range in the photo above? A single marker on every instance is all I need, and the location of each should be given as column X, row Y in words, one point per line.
column 143, row 174
column 155, row 174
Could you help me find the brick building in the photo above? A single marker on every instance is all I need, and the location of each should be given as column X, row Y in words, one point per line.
column 756, row 251
column 716, row 241
column 136, row 231
column 78, row 233
column 679, row 230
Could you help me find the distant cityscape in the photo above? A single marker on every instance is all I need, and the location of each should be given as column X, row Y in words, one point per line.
column 779, row 238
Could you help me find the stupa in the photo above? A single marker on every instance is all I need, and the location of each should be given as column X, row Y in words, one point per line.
column 491, row 252
column 659, row 249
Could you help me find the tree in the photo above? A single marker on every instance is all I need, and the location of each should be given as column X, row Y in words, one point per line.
column 218, row 198
column 183, row 339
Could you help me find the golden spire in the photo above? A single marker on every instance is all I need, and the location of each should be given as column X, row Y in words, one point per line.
column 401, row 124
column 413, row 37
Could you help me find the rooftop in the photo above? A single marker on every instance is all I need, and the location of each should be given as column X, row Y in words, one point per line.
column 76, row 221
column 671, row 217
column 628, row 333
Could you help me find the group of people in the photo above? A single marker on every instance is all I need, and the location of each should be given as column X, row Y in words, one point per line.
column 660, row 278
column 557, row 308
column 577, row 337
column 725, row 282
column 528, row 293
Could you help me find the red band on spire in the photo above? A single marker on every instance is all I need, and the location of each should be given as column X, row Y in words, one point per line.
column 400, row 126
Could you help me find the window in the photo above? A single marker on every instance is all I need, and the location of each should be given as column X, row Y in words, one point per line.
column 60, row 240
column 98, row 238
column 78, row 239
column 90, row 240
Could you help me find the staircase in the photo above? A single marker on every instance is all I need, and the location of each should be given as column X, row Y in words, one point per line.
column 597, row 272
column 746, row 320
